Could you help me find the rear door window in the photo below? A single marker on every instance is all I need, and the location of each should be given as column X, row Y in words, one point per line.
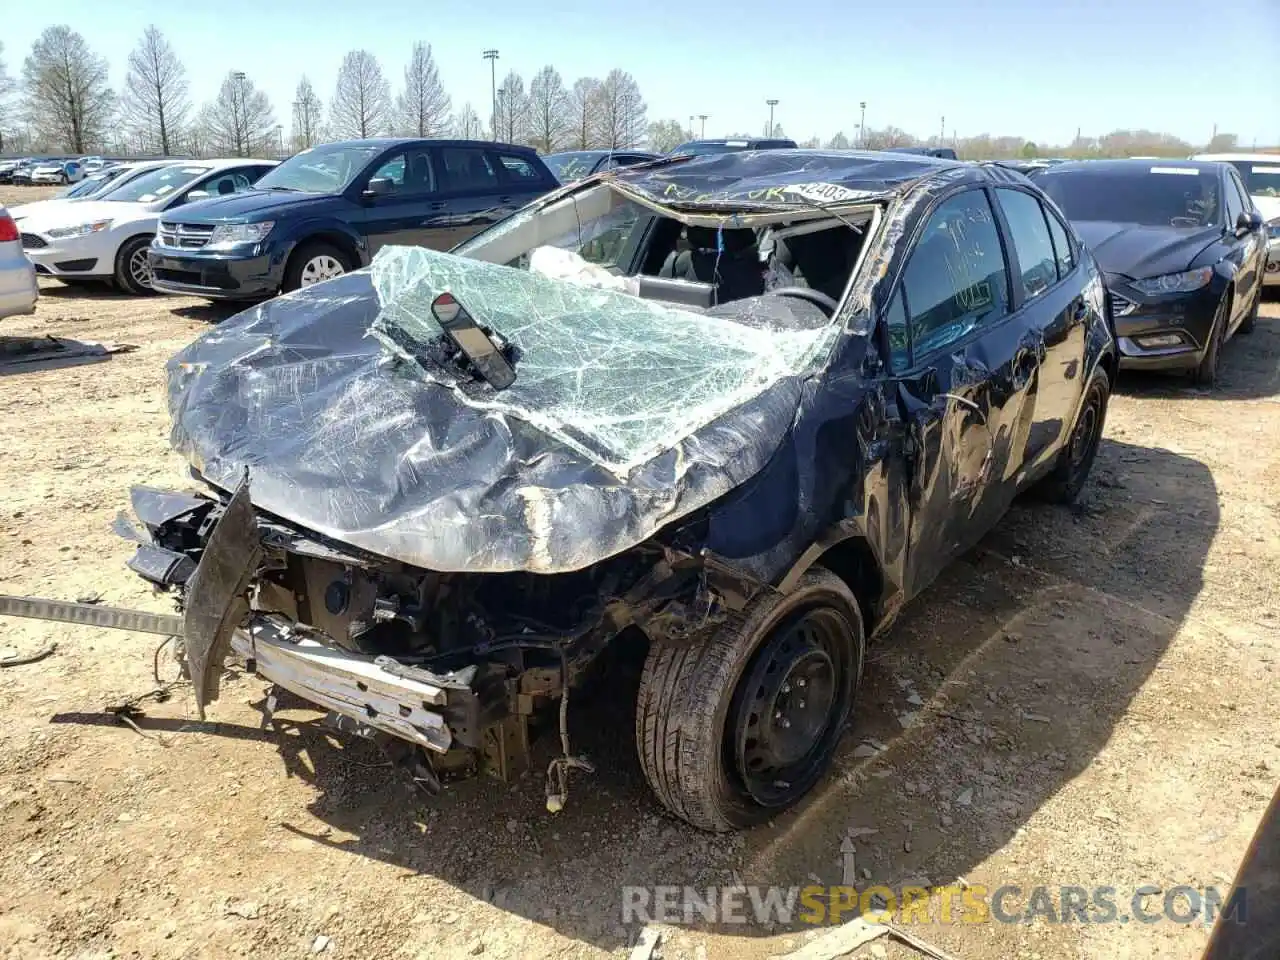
column 1031, row 241
column 518, row 169
column 956, row 278
column 466, row 170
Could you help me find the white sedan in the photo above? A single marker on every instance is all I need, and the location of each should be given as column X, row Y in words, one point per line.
column 93, row 187
column 63, row 171
column 107, row 238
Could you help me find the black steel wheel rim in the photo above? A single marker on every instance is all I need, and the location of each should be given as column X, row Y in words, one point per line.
column 1086, row 432
column 789, row 706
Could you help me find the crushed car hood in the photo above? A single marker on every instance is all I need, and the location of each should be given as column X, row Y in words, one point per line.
column 626, row 414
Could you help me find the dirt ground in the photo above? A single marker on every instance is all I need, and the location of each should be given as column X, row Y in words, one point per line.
column 1089, row 698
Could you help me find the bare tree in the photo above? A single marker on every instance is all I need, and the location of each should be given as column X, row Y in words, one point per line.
column 240, row 121
column 621, row 120
column 839, row 141
column 513, row 108
column 549, row 119
column 6, row 88
column 666, row 135
column 584, row 104
column 307, row 115
column 198, row 139
column 424, row 106
column 68, row 100
column 466, row 124
column 154, row 102
column 362, row 100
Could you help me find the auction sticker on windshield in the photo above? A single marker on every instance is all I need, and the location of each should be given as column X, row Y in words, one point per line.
column 1185, row 171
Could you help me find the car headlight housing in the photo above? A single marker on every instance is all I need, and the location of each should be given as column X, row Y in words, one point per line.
column 1273, row 229
column 234, row 234
column 1183, row 282
column 79, row 230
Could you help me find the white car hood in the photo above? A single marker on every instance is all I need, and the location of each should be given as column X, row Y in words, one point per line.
column 85, row 211
column 38, row 207
column 1269, row 207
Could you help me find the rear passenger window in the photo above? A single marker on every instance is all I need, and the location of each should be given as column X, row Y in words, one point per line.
column 956, row 278
column 1061, row 245
column 1030, row 235
column 466, row 168
column 518, row 168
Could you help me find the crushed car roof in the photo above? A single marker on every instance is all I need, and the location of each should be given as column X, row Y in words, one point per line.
column 774, row 178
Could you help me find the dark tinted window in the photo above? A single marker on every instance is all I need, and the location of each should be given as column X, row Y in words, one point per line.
column 956, row 278
column 1030, row 235
column 895, row 320
column 518, row 168
column 409, row 173
column 1152, row 195
column 1061, row 245
column 466, row 168
column 1246, row 201
column 1236, row 203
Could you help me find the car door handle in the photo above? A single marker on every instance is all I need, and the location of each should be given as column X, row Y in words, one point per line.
column 437, row 205
column 507, row 199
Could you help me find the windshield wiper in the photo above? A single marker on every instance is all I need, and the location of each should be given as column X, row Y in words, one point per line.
column 284, row 189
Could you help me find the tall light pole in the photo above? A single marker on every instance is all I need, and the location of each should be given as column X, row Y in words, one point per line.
column 500, row 99
column 942, row 134
column 703, row 118
column 691, row 126
column 772, row 104
column 492, row 57
column 862, row 124
column 241, row 125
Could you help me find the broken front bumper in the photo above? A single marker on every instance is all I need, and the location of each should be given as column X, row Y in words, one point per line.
column 345, row 683
column 375, row 693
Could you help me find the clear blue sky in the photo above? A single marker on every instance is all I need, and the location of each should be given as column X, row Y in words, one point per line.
column 1037, row 68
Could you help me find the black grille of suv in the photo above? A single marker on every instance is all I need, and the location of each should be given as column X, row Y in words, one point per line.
column 184, row 236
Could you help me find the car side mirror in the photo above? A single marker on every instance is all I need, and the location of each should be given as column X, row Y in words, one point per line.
column 1248, row 222
column 378, row 187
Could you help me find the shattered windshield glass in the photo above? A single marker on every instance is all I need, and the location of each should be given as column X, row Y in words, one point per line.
column 614, row 376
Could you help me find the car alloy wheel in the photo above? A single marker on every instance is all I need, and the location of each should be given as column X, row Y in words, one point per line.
column 320, row 268
column 140, row 268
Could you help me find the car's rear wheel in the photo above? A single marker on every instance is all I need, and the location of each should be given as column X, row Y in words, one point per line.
column 133, row 269
column 1206, row 373
column 734, row 728
column 1251, row 320
column 314, row 263
column 1075, row 462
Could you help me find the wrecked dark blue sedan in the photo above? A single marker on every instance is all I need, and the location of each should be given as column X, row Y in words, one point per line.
column 739, row 408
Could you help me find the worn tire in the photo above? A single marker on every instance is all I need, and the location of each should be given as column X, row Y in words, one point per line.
column 1074, row 464
column 124, row 276
column 304, row 254
column 687, row 693
column 1206, row 373
column 1252, row 319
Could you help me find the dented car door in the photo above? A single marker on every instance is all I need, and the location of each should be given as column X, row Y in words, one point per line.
column 964, row 365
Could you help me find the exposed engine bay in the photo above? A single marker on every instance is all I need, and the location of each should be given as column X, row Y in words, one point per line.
column 446, row 671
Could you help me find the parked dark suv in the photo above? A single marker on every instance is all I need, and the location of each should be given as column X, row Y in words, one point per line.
column 327, row 210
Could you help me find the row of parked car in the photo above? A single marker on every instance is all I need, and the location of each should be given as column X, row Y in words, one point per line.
column 37, row 171
column 245, row 229
column 440, row 525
